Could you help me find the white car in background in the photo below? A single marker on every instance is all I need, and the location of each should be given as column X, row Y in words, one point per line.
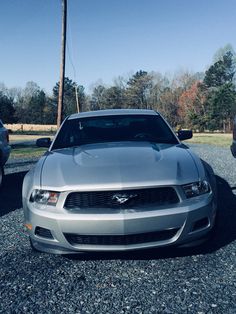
column 4, row 149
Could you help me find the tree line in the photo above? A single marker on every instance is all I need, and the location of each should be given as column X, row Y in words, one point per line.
column 200, row 101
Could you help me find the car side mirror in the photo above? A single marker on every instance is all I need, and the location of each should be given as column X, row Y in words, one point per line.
column 44, row 142
column 184, row 134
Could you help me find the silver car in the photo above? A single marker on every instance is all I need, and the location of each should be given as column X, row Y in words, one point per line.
column 117, row 180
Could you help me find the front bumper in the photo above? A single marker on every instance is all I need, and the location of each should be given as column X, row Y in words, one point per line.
column 120, row 230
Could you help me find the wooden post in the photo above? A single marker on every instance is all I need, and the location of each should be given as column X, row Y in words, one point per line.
column 62, row 67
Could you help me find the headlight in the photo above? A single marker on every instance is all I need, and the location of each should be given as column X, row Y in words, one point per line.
column 44, row 197
column 196, row 188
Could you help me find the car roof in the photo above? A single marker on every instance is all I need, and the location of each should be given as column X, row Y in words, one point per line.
column 112, row 112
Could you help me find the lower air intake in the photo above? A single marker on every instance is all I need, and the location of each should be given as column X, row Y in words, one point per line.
column 78, row 239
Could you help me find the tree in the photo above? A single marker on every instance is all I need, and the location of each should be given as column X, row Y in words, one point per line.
column 121, row 82
column 222, row 51
column 97, row 99
column 36, row 107
column 31, row 89
column 192, row 109
column 221, row 99
column 7, row 111
column 168, row 105
column 221, row 107
column 221, row 72
column 184, row 79
column 159, row 85
column 30, row 104
column 113, row 98
column 70, row 105
column 50, row 111
column 138, row 90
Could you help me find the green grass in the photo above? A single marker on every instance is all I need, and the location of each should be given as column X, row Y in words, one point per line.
column 41, row 133
column 27, row 152
column 216, row 139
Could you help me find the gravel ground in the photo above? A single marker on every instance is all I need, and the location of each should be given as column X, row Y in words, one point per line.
column 200, row 280
column 14, row 165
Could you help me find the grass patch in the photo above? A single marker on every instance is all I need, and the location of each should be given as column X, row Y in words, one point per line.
column 25, row 137
column 216, row 139
column 48, row 133
column 27, row 152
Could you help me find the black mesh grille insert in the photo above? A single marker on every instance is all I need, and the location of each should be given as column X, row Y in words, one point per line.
column 123, row 199
column 74, row 239
column 43, row 232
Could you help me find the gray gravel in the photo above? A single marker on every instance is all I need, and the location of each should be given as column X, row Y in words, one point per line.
column 200, row 280
column 14, row 165
column 221, row 160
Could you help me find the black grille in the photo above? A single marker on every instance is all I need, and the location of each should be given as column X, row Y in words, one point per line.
column 43, row 232
column 74, row 239
column 116, row 199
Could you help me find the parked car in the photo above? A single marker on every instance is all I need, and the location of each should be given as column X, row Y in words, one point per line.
column 117, row 180
column 4, row 149
column 233, row 146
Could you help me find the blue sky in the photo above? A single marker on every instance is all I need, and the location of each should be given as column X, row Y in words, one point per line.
column 108, row 38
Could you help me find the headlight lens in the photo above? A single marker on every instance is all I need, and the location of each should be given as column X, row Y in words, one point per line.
column 196, row 188
column 44, row 197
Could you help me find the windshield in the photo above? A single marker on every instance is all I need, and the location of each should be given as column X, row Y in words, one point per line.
column 117, row 128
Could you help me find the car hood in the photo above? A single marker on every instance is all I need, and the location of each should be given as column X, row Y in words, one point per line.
column 118, row 166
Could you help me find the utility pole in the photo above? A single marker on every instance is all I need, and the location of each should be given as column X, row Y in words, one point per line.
column 62, row 67
column 77, row 99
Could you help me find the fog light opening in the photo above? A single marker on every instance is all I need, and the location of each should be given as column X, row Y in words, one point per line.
column 43, row 233
column 200, row 224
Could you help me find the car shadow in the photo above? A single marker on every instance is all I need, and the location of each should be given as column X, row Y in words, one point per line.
column 10, row 193
column 224, row 234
